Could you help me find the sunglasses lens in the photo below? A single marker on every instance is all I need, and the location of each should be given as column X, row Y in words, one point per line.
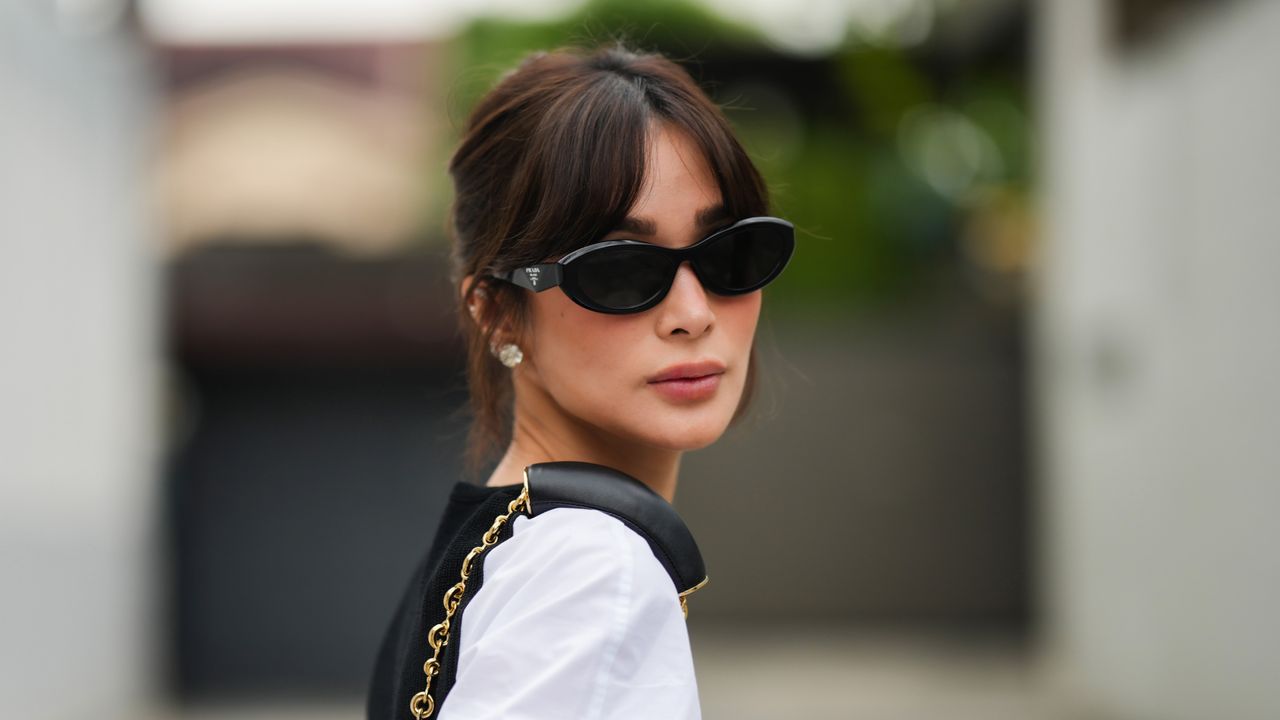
column 745, row 259
column 622, row 278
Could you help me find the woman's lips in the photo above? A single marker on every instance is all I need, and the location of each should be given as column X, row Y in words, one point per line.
column 688, row 389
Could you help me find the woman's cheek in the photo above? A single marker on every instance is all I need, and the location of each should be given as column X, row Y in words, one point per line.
column 586, row 364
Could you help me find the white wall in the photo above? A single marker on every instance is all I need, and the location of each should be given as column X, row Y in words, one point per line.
column 78, row 362
column 1157, row 353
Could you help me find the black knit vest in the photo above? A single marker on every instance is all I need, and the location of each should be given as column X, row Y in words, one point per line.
column 470, row 511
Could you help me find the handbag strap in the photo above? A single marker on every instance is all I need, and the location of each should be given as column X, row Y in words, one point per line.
column 585, row 485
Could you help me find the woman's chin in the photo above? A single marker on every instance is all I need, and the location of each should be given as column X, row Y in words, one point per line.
column 690, row 435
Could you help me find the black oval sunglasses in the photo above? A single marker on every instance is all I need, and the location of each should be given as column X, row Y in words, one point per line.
column 631, row 276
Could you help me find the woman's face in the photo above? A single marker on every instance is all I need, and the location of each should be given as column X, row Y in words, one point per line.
column 598, row 371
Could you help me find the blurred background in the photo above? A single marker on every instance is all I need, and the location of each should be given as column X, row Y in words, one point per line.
column 1014, row 456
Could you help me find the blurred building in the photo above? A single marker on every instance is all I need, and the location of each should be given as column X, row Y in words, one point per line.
column 268, row 144
column 80, row 363
column 312, row 353
column 1157, row 350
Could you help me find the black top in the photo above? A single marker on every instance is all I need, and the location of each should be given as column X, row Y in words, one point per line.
column 470, row 511
column 398, row 674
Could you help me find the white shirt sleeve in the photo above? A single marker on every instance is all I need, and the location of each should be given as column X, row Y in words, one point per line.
column 576, row 618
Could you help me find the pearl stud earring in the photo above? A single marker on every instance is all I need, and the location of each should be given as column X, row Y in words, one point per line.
column 509, row 354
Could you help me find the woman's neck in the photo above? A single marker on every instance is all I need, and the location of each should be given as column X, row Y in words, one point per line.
column 534, row 442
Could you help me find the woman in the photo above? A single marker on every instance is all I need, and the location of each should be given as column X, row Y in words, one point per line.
column 619, row 356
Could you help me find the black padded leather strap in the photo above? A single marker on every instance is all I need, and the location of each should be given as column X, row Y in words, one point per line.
column 588, row 485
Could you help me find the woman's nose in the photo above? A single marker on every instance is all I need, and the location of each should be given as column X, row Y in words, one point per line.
column 686, row 309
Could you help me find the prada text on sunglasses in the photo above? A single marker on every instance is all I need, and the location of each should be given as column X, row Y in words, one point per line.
column 629, row 276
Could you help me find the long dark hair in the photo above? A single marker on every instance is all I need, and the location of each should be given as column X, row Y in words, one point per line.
column 552, row 158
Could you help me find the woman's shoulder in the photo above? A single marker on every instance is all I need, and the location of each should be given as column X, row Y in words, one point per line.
column 575, row 615
column 574, row 524
column 579, row 529
column 583, row 546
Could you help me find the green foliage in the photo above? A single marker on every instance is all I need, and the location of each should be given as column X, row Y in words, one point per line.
column 678, row 28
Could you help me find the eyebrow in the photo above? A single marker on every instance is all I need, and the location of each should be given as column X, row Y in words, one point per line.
column 645, row 226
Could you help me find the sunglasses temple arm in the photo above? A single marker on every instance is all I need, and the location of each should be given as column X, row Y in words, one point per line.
column 536, row 277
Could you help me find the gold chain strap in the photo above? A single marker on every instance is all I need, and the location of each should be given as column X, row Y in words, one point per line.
column 422, row 704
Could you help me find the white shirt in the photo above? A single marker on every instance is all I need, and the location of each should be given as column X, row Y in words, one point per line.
column 576, row 618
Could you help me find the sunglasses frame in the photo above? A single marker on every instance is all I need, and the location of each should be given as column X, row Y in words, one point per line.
column 562, row 273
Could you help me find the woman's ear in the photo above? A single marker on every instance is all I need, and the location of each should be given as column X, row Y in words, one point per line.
column 481, row 311
column 475, row 304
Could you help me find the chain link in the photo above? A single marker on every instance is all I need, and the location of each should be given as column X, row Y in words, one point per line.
column 423, row 705
column 684, row 596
